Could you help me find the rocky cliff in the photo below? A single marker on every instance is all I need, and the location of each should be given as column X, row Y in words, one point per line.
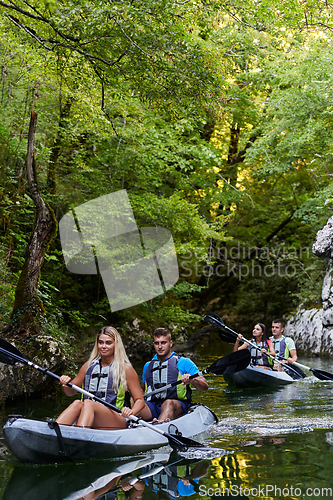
column 312, row 329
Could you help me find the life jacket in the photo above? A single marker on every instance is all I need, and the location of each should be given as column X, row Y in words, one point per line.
column 283, row 348
column 99, row 381
column 159, row 374
column 168, row 479
column 257, row 358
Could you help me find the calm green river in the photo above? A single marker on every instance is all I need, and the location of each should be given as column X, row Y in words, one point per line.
column 277, row 444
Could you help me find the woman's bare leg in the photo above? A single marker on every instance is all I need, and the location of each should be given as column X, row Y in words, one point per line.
column 71, row 414
column 97, row 416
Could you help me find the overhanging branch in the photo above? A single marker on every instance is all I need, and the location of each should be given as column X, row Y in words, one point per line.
column 56, row 43
column 38, row 17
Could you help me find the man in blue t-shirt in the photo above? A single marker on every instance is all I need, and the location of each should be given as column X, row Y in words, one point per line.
column 164, row 368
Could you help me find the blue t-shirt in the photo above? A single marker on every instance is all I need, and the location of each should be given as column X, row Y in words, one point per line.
column 185, row 490
column 185, row 365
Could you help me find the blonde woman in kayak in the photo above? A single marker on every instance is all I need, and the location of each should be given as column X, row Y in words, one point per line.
column 265, row 345
column 109, row 375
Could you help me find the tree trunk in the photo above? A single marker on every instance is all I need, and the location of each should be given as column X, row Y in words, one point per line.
column 27, row 306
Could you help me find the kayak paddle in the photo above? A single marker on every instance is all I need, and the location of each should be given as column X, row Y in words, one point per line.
column 320, row 374
column 12, row 356
column 215, row 320
column 239, row 359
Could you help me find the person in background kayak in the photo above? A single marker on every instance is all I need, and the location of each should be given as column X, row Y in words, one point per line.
column 283, row 346
column 265, row 345
column 164, row 368
column 109, row 375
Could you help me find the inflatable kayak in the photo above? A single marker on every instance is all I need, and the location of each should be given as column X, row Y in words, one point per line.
column 256, row 376
column 35, row 441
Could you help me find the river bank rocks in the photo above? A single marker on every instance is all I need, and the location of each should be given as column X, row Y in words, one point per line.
column 18, row 381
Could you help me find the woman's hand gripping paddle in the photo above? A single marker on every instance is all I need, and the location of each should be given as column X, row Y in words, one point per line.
column 10, row 355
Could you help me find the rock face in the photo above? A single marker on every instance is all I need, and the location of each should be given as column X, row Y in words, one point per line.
column 306, row 329
column 18, row 381
column 312, row 329
column 323, row 245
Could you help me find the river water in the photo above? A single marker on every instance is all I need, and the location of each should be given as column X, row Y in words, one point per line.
column 278, row 445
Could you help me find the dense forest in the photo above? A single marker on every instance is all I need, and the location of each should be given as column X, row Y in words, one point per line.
column 216, row 118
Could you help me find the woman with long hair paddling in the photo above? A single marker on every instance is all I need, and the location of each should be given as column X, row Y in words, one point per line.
column 109, row 375
column 259, row 355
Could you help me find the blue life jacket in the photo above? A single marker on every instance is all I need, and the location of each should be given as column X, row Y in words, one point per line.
column 159, row 374
column 257, row 358
column 99, row 381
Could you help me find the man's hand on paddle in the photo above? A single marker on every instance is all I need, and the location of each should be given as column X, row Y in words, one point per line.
column 200, row 383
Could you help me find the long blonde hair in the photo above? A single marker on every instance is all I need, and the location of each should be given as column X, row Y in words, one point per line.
column 119, row 360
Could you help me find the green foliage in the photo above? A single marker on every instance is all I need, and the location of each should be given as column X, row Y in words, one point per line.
column 7, row 287
column 184, row 290
column 149, row 48
column 216, row 119
column 176, row 317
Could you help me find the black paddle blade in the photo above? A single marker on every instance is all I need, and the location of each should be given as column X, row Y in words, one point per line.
column 214, row 320
column 227, row 337
column 10, row 348
column 239, row 359
column 294, row 372
column 181, row 443
column 321, row 374
column 6, row 349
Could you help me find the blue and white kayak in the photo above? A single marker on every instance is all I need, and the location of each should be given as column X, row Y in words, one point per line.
column 35, row 441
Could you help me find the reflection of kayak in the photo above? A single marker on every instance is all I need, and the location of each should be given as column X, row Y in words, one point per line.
column 256, row 376
column 72, row 481
column 33, row 441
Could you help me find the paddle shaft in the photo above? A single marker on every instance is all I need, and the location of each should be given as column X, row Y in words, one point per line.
column 171, row 384
column 253, row 344
column 269, row 355
column 218, row 322
column 238, row 359
column 322, row 375
column 215, row 320
column 83, row 391
column 300, row 365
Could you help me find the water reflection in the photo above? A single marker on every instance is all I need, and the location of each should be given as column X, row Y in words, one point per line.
column 166, row 475
column 180, row 478
column 74, row 481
